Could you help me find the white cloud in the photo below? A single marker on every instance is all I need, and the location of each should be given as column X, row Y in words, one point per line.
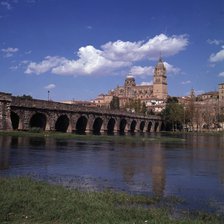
column 9, row 52
column 135, row 51
column 215, row 42
column 90, row 61
column 7, row 5
column 146, row 83
column 140, row 71
column 111, row 56
column 186, row 82
column 47, row 64
column 50, row 86
column 221, row 74
column 219, row 56
column 170, row 69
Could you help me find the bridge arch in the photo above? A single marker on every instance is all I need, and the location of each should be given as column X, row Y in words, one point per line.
column 156, row 127
column 111, row 125
column 81, row 124
column 14, row 120
column 141, row 126
column 97, row 125
column 133, row 126
column 62, row 123
column 122, row 125
column 38, row 120
column 150, row 126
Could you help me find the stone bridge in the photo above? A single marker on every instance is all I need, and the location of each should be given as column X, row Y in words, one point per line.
column 18, row 113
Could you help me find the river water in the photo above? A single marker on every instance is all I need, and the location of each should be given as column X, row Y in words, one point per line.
column 191, row 168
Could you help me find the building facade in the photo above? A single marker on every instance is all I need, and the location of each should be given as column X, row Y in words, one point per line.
column 221, row 91
column 154, row 96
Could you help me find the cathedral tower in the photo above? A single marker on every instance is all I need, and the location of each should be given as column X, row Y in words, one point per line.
column 160, row 81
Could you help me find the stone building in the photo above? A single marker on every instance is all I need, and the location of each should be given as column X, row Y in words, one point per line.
column 221, row 91
column 154, row 96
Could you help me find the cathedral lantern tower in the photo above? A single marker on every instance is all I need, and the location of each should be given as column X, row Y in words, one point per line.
column 160, row 81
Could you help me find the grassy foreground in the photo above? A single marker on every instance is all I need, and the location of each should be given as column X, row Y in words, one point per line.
column 23, row 200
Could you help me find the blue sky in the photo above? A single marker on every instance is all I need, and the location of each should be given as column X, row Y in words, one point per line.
column 77, row 49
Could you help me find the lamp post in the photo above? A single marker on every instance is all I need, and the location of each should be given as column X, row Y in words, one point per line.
column 48, row 95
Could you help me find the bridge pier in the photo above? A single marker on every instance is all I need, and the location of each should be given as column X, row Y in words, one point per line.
column 5, row 115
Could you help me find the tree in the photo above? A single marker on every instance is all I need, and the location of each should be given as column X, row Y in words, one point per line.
column 173, row 115
column 115, row 103
column 143, row 108
column 191, row 110
column 28, row 97
column 136, row 106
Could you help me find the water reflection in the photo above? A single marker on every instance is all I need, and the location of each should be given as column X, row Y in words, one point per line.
column 190, row 168
column 5, row 143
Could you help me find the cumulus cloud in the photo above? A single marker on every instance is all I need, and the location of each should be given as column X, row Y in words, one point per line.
column 151, row 49
column 50, row 86
column 221, row 74
column 47, row 64
column 219, row 56
column 140, row 71
column 170, row 69
column 111, row 57
column 9, row 52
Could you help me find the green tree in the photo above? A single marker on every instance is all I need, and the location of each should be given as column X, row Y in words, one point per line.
column 173, row 115
column 28, row 97
column 136, row 106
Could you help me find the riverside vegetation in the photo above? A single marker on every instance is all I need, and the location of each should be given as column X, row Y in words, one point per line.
column 27, row 201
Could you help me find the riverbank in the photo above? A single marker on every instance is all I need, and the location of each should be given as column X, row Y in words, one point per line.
column 139, row 138
column 27, row 201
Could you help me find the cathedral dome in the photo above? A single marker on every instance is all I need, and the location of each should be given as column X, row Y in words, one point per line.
column 130, row 81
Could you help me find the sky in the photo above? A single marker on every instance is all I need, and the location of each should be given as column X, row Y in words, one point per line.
column 78, row 49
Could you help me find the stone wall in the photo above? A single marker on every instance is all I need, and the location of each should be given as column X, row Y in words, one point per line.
column 5, row 106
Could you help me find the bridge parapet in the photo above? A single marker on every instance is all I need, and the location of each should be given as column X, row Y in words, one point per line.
column 20, row 102
column 20, row 113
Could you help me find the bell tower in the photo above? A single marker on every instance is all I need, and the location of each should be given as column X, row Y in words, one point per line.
column 160, row 81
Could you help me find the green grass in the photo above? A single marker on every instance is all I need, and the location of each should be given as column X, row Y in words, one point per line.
column 23, row 200
column 91, row 137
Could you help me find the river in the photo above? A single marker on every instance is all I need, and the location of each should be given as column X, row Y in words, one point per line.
column 191, row 167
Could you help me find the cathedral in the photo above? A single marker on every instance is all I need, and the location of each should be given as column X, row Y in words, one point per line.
column 153, row 95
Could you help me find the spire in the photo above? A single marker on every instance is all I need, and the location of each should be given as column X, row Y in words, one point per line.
column 160, row 64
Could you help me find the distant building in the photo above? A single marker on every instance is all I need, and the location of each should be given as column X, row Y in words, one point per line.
column 80, row 103
column 154, row 96
column 221, row 92
column 214, row 95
